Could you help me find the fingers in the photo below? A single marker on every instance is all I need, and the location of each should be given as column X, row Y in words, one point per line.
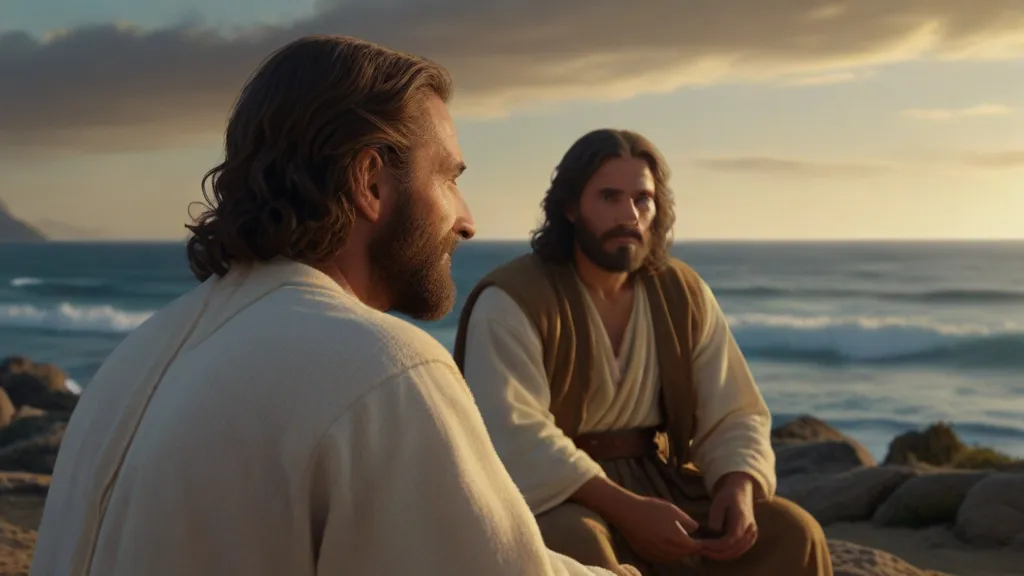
column 730, row 548
column 689, row 525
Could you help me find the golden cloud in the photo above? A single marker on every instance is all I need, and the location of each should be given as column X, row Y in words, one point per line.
column 119, row 87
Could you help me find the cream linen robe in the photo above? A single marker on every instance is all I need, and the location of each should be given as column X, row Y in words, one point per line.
column 269, row 423
column 504, row 367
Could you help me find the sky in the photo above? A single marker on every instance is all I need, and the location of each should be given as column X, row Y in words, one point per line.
column 780, row 119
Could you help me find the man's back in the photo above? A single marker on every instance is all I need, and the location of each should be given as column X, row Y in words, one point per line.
column 296, row 432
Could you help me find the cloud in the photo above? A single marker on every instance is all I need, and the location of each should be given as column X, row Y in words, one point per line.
column 940, row 114
column 118, row 87
column 827, row 79
column 789, row 167
column 1005, row 159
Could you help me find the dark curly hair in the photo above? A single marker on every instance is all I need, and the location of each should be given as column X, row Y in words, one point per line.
column 554, row 240
column 284, row 187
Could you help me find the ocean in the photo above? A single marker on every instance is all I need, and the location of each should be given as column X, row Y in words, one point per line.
column 875, row 338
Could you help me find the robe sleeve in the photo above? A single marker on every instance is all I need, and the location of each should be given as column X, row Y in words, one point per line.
column 412, row 486
column 504, row 367
column 734, row 423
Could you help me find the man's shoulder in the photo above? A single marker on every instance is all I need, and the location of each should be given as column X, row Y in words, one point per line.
column 679, row 266
column 355, row 336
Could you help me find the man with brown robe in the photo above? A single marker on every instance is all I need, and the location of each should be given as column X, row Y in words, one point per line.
column 614, row 392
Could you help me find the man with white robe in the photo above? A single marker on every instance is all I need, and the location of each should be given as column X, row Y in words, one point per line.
column 591, row 353
column 275, row 420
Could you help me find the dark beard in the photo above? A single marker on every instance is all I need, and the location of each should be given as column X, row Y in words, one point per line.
column 408, row 256
column 626, row 258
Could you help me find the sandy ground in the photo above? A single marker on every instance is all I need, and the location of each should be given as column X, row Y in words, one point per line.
column 932, row 549
column 19, row 516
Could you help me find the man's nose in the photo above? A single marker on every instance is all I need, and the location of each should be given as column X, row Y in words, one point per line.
column 464, row 225
column 628, row 213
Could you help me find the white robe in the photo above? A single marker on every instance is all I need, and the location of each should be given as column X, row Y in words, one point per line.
column 269, row 423
column 504, row 367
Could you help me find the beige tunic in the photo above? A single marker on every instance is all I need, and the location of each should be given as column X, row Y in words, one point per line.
column 271, row 424
column 505, row 370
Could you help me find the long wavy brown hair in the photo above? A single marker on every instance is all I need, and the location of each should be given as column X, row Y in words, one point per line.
column 554, row 240
column 285, row 185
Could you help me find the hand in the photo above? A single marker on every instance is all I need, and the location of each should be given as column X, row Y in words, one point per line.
column 657, row 530
column 627, row 570
column 732, row 511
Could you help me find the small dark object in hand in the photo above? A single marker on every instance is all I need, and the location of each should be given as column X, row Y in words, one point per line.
column 706, row 533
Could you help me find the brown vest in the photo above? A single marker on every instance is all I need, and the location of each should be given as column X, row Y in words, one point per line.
column 551, row 298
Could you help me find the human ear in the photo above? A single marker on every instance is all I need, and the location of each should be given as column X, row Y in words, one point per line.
column 367, row 180
column 572, row 213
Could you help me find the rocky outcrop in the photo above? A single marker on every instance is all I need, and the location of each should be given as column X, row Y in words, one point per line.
column 852, row 560
column 918, row 486
column 850, row 496
column 15, row 230
column 37, row 409
column 992, row 513
column 807, row 445
column 928, row 499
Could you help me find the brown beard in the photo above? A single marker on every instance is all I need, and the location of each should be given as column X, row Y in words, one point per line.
column 627, row 258
column 408, row 255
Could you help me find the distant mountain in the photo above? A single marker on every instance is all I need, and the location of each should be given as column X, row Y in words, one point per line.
column 14, row 230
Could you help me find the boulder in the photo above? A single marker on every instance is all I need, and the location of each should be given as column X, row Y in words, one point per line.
column 828, row 457
column 928, row 499
column 31, row 444
column 24, row 483
column 847, row 497
column 808, row 445
column 33, row 390
column 50, row 375
column 937, row 445
column 992, row 513
column 850, row 559
column 26, row 411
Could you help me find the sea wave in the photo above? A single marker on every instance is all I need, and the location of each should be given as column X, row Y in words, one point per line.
column 66, row 317
column 93, row 288
column 941, row 296
column 868, row 340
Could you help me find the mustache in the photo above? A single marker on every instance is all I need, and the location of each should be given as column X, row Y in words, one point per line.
column 623, row 232
column 452, row 243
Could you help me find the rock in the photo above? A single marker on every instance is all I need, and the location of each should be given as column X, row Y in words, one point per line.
column 927, row 499
column 850, row 496
column 805, row 429
column 31, row 444
column 24, row 483
column 808, row 445
column 828, row 457
column 27, row 411
column 850, row 559
column 51, row 376
column 938, row 445
column 7, row 410
column 14, row 365
column 31, row 389
column 993, row 511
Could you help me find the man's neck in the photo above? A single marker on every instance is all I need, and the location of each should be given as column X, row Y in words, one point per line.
column 600, row 282
column 352, row 273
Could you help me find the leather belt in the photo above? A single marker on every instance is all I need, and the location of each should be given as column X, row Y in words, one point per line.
column 614, row 444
